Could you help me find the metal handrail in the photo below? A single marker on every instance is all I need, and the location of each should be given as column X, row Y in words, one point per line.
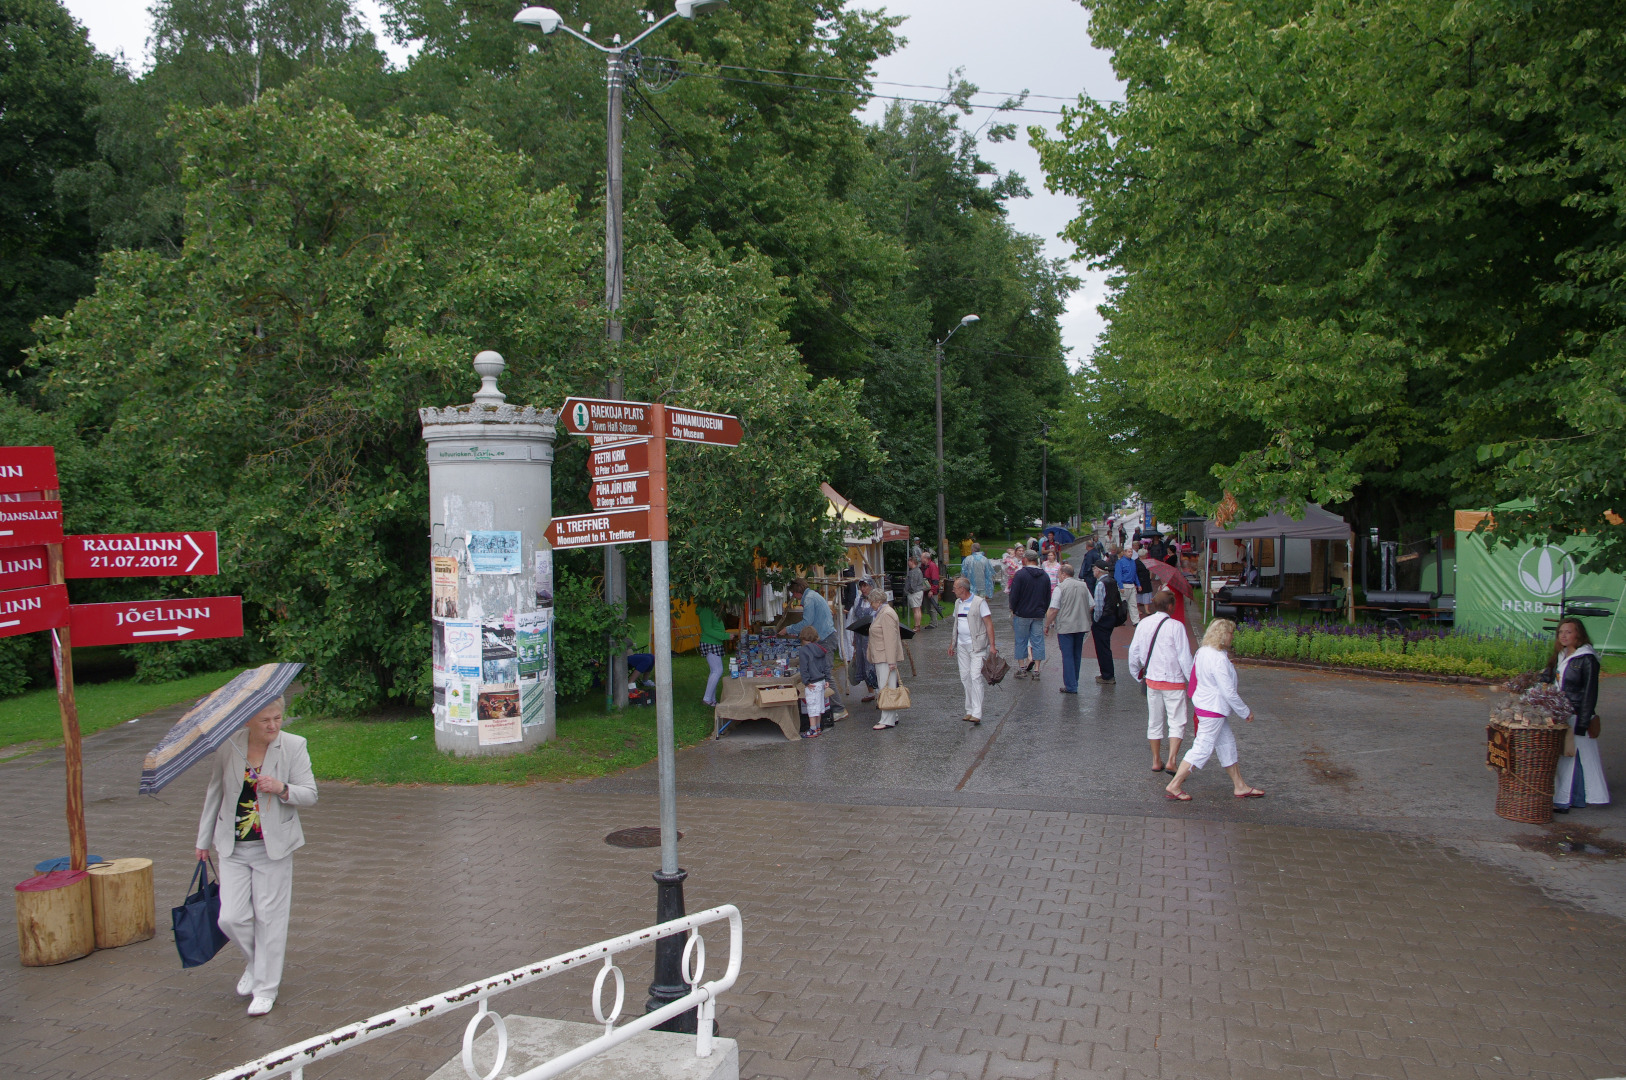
column 291, row 1060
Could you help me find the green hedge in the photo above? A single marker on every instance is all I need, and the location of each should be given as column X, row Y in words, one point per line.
column 1432, row 652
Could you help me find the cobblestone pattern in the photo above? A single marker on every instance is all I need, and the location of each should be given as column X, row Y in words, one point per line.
column 881, row 942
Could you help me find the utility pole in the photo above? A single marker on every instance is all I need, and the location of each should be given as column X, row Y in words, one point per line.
column 1044, row 475
column 942, row 519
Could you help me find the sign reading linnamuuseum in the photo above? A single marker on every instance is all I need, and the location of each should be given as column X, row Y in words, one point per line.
column 24, row 611
column 142, row 621
column 597, row 530
column 618, row 459
column 28, row 523
column 692, row 425
column 27, row 468
column 621, row 492
column 601, row 416
column 140, row 554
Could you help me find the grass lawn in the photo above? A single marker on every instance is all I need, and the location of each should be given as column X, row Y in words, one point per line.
column 590, row 742
column 31, row 721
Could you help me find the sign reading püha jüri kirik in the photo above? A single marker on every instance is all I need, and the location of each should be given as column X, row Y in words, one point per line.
column 141, row 555
column 145, row 621
column 27, row 468
column 25, row 611
column 597, row 530
column 601, row 416
column 621, row 493
column 25, row 524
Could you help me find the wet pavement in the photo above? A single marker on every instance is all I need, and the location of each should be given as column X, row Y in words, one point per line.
column 945, row 901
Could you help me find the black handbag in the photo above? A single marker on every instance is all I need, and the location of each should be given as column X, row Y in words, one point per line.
column 197, row 921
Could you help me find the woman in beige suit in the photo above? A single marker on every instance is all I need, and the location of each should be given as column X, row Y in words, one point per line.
column 262, row 775
column 885, row 651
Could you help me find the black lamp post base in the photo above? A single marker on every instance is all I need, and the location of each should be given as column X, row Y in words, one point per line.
column 669, row 985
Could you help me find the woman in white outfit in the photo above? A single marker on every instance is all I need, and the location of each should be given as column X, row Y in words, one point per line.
column 1213, row 701
column 261, row 775
column 885, row 652
column 1160, row 656
column 1574, row 669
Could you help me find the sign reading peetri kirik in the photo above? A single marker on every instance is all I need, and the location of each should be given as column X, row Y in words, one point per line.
column 618, row 459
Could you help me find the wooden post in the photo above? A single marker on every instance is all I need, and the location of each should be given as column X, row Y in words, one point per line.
column 1349, row 576
column 72, row 749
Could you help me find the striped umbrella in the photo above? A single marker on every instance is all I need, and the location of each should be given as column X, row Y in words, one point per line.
column 212, row 721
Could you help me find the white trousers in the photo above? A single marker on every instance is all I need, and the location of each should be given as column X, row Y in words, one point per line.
column 255, row 893
column 1591, row 763
column 971, row 676
column 1166, row 713
column 1128, row 593
column 887, row 675
column 1214, row 735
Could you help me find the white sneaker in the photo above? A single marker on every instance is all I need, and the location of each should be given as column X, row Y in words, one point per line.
column 245, row 985
column 260, row 1005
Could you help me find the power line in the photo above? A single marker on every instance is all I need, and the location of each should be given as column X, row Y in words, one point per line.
column 882, row 82
column 852, row 93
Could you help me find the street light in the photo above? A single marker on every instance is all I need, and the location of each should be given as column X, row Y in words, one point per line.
column 668, row 985
column 942, row 522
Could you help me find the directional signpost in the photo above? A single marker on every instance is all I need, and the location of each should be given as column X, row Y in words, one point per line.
column 36, row 561
column 627, row 470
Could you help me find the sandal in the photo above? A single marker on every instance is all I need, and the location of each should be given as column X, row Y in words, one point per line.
column 1184, row 796
column 1252, row 793
column 810, row 734
column 883, row 727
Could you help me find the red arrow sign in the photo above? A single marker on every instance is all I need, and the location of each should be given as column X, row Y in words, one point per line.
column 23, row 568
column 618, row 459
column 597, row 530
column 28, row 523
column 621, row 492
column 27, row 468
column 141, row 554
column 145, row 621
column 692, row 425
column 23, row 611
column 600, row 416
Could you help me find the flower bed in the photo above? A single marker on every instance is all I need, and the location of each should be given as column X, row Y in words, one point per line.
column 1428, row 651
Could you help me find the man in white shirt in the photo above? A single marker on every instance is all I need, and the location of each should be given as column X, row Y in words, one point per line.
column 973, row 641
column 1160, row 656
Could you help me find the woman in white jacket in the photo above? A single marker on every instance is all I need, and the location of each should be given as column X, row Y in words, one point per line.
column 1214, row 699
column 261, row 776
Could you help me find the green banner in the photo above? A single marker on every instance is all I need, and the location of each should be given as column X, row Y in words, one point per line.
column 1520, row 589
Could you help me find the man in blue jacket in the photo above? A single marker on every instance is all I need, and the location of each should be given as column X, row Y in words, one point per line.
column 1029, row 593
column 980, row 572
column 1124, row 573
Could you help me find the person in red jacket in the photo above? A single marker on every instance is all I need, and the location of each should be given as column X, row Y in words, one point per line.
column 934, row 585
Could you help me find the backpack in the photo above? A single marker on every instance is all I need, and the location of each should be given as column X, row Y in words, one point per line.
column 1120, row 610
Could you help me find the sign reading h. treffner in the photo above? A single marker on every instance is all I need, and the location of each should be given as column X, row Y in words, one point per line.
column 598, row 530
column 600, row 416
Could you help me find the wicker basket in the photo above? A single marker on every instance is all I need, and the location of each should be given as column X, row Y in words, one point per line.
column 1525, row 758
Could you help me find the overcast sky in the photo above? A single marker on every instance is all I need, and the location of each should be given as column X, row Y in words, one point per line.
column 1042, row 46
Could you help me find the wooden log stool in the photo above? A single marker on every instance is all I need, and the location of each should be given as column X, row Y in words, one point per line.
column 54, row 919
column 121, row 902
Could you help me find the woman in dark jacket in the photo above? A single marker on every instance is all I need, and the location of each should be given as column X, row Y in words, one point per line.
column 1574, row 668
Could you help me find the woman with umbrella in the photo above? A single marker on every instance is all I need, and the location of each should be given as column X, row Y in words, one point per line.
column 259, row 776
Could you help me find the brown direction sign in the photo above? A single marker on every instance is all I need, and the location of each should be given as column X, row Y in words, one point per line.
column 692, row 425
column 27, row 468
column 140, row 555
column 601, row 416
column 28, row 523
column 621, row 492
column 23, row 611
column 618, row 459
column 598, row 530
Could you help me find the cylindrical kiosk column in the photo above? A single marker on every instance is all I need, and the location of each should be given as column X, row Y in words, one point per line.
column 490, row 498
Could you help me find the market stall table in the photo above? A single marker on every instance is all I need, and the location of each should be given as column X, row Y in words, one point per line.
column 1320, row 603
column 739, row 702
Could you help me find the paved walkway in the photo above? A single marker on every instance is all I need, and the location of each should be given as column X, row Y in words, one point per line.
column 1009, row 901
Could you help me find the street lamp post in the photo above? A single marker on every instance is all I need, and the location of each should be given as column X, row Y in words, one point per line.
column 942, row 521
column 548, row 20
column 668, row 984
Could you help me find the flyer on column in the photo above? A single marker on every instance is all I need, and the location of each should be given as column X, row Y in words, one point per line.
column 544, row 577
column 499, row 685
column 463, row 662
column 494, row 552
column 443, row 578
column 532, row 641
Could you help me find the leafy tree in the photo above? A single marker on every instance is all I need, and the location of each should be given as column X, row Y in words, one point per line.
column 46, row 87
column 1370, row 238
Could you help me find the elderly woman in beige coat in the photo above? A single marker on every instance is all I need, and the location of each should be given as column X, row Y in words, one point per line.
column 885, row 651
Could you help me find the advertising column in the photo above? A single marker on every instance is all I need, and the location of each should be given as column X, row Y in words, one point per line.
column 491, row 570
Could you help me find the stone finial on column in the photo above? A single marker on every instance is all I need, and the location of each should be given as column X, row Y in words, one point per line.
column 489, row 365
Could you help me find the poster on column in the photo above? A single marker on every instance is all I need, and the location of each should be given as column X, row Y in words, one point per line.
column 443, row 579
column 494, row 552
column 499, row 710
column 544, row 577
column 464, row 660
column 437, row 645
column 532, row 641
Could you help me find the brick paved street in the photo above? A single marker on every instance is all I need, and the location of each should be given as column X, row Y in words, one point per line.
column 1047, row 919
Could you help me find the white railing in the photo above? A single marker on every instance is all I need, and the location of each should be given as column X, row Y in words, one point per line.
column 291, row 1060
